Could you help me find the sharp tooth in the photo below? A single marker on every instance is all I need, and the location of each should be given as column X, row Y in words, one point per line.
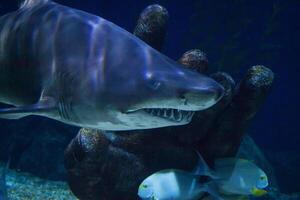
column 188, row 114
column 169, row 113
column 158, row 112
column 178, row 115
column 155, row 111
column 191, row 116
column 165, row 113
column 172, row 114
column 152, row 112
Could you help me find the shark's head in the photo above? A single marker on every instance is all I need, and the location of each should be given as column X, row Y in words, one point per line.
column 158, row 93
column 133, row 86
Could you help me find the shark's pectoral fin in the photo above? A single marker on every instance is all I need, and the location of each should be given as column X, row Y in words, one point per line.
column 45, row 105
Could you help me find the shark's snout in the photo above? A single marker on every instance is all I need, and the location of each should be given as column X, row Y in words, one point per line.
column 194, row 92
column 203, row 97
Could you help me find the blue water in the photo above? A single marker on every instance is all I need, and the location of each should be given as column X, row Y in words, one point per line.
column 235, row 35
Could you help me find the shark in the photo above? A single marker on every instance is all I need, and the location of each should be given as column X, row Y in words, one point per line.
column 80, row 69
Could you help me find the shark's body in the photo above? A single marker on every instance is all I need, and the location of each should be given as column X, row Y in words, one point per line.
column 83, row 70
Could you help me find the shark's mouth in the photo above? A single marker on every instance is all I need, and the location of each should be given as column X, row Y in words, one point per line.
column 170, row 114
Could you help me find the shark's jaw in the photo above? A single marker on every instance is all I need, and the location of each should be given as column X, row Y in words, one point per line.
column 149, row 118
column 167, row 114
column 175, row 111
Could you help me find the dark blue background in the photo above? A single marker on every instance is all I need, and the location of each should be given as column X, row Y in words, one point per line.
column 236, row 34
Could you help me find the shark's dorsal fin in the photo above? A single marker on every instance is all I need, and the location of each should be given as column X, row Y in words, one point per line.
column 45, row 105
column 31, row 3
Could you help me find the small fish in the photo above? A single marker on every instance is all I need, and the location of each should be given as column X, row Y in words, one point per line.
column 170, row 184
column 240, row 176
column 230, row 177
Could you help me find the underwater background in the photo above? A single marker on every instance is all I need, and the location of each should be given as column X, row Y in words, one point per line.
column 235, row 34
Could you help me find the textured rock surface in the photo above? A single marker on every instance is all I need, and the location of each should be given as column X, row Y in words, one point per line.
column 196, row 60
column 152, row 25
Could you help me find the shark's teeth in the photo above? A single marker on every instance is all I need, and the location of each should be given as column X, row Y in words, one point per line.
column 171, row 114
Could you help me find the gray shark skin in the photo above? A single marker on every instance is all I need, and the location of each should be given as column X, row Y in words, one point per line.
column 80, row 69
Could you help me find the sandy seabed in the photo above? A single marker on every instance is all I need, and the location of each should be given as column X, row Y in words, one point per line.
column 24, row 186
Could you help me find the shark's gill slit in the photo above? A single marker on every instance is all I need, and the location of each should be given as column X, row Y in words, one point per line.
column 64, row 109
